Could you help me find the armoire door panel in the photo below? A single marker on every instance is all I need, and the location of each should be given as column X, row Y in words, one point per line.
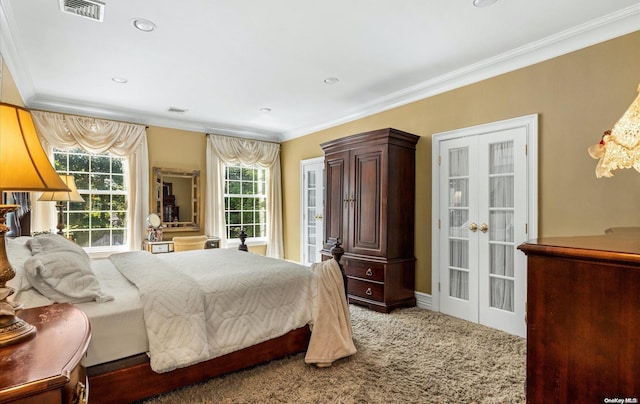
column 366, row 231
column 336, row 195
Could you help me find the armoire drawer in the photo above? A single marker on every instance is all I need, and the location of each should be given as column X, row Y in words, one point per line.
column 365, row 270
column 367, row 290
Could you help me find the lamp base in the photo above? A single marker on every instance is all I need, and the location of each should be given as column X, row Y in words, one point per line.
column 60, row 226
column 12, row 329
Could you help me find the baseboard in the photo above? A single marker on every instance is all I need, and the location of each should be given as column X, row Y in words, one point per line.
column 423, row 301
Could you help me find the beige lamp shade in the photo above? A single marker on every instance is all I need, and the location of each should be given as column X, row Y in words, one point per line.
column 620, row 147
column 61, row 196
column 24, row 166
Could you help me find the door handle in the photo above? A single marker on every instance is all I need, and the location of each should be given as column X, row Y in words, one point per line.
column 484, row 227
column 473, row 227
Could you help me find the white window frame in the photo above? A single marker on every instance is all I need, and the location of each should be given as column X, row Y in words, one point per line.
column 251, row 241
column 86, row 194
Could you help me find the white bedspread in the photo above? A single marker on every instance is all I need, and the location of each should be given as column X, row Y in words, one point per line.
column 244, row 299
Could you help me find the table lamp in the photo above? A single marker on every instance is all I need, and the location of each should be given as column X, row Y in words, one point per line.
column 24, row 166
column 60, row 197
column 620, row 147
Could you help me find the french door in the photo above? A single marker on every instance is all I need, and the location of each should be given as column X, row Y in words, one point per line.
column 483, row 203
column 312, row 209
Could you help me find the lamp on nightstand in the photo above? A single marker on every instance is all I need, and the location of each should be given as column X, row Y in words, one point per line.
column 60, row 197
column 24, row 166
column 620, row 147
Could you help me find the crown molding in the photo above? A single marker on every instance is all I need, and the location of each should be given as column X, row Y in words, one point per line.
column 599, row 30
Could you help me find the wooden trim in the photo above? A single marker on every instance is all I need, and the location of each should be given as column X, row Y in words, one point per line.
column 132, row 379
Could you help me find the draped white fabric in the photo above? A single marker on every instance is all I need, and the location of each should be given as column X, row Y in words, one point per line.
column 223, row 150
column 99, row 136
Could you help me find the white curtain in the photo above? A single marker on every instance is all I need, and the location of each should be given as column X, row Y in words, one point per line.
column 223, row 150
column 99, row 136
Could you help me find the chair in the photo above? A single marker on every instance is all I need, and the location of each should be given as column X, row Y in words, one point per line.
column 186, row 243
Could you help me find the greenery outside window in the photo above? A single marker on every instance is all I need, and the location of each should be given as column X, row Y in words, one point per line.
column 245, row 201
column 101, row 221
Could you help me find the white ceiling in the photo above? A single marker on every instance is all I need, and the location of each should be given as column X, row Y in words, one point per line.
column 224, row 60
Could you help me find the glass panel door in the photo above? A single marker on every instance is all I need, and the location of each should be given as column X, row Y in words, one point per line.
column 483, row 205
column 459, row 286
column 502, row 206
column 312, row 188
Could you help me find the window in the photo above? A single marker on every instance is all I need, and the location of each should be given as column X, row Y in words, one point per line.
column 101, row 220
column 245, row 201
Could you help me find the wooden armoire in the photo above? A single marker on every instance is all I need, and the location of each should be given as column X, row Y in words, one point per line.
column 369, row 207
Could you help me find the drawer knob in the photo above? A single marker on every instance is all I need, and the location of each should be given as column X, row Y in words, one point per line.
column 369, row 292
column 369, row 272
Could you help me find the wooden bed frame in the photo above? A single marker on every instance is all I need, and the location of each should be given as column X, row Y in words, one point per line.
column 131, row 379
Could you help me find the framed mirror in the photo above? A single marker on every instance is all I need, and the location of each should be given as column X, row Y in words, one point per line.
column 175, row 198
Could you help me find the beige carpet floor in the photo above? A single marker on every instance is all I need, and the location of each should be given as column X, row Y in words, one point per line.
column 408, row 356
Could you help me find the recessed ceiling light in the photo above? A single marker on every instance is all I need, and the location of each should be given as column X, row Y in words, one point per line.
column 483, row 3
column 119, row 80
column 265, row 110
column 143, row 25
column 331, row 80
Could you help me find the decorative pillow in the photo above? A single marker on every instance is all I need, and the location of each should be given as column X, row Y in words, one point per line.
column 18, row 252
column 55, row 242
column 64, row 278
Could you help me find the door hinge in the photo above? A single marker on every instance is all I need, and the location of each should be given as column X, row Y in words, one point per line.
column 526, row 149
column 439, row 159
column 526, row 228
column 438, row 223
column 438, row 286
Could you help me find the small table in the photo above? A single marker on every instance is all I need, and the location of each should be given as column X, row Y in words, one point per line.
column 157, row 247
column 161, row 247
column 46, row 368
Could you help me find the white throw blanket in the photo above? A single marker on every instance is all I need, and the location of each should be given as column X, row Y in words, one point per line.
column 173, row 310
column 331, row 336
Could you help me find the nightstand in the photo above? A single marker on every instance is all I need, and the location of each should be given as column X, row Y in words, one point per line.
column 212, row 242
column 46, row 368
column 157, row 247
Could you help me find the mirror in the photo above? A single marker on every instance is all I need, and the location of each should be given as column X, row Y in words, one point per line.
column 153, row 220
column 176, row 198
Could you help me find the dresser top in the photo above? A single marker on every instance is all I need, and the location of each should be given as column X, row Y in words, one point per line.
column 603, row 247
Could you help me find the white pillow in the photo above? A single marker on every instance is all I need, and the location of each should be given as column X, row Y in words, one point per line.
column 18, row 252
column 64, row 277
column 55, row 242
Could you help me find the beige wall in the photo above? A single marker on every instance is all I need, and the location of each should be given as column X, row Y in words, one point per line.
column 577, row 97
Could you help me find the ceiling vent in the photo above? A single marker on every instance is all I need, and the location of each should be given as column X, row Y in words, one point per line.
column 91, row 9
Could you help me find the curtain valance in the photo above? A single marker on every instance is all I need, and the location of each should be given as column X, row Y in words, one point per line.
column 94, row 135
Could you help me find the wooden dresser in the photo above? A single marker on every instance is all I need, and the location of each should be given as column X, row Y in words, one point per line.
column 369, row 206
column 583, row 319
column 46, row 368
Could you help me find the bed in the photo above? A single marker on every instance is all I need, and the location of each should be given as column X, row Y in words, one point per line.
column 164, row 321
